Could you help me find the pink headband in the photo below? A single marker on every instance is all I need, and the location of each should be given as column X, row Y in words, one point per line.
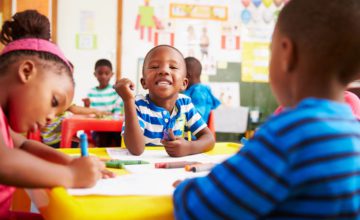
column 35, row 44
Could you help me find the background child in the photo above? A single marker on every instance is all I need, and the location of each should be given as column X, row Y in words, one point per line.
column 36, row 84
column 303, row 163
column 350, row 98
column 163, row 115
column 200, row 94
column 104, row 98
column 51, row 133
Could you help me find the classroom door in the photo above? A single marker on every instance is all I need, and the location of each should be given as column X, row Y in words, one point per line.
column 87, row 31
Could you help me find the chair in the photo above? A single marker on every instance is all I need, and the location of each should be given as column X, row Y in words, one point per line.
column 34, row 135
column 211, row 123
column 72, row 125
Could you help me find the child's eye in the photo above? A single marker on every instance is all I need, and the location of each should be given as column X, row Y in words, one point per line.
column 54, row 102
column 153, row 67
column 173, row 67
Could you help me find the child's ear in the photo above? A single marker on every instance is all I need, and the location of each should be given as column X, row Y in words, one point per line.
column 289, row 54
column 142, row 81
column 26, row 71
column 185, row 84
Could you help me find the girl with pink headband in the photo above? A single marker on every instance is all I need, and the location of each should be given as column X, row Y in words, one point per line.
column 36, row 84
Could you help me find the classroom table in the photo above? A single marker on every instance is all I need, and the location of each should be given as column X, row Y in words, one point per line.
column 57, row 204
column 75, row 123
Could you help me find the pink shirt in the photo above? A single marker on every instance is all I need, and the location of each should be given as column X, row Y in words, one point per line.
column 5, row 191
column 350, row 98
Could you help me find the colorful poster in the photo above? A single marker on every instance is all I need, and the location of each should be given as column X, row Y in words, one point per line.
column 255, row 61
column 193, row 11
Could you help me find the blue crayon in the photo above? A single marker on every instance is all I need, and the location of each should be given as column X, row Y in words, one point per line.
column 84, row 145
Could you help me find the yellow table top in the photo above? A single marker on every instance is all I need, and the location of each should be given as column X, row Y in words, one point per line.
column 57, row 204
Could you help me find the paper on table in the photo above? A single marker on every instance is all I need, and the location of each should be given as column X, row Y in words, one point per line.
column 154, row 182
column 152, row 156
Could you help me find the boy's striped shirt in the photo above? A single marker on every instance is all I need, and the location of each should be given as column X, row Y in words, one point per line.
column 302, row 164
column 105, row 100
column 154, row 119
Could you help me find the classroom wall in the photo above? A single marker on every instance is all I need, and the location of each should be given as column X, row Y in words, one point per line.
column 240, row 70
column 87, row 19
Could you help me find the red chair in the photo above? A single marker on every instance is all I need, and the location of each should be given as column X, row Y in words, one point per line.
column 72, row 125
column 211, row 123
column 34, row 135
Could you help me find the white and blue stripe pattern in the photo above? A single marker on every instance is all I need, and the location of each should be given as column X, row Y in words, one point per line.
column 154, row 119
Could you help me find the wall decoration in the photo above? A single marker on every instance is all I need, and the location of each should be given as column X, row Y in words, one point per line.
column 193, row 11
column 146, row 19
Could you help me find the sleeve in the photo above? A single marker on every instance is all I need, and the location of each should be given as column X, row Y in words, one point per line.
column 235, row 189
column 194, row 121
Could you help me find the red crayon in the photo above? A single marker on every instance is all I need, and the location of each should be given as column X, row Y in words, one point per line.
column 175, row 164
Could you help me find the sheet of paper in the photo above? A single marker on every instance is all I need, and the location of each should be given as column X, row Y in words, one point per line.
column 145, row 179
column 154, row 182
column 152, row 156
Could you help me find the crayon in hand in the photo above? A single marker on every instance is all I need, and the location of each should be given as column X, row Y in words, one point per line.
column 166, row 135
column 84, row 145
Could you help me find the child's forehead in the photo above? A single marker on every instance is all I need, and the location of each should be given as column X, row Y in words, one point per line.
column 165, row 53
column 103, row 68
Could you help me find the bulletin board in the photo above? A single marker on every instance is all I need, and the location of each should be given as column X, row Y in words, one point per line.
column 230, row 38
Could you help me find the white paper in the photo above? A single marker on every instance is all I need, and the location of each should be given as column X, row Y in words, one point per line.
column 145, row 179
column 155, row 182
column 152, row 156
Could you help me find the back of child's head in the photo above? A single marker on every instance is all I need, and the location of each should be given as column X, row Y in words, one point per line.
column 158, row 47
column 103, row 62
column 326, row 34
column 193, row 68
column 28, row 34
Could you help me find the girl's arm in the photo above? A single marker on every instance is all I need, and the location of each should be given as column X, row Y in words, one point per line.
column 79, row 110
column 19, row 168
column 39, row 149
column 133, row 135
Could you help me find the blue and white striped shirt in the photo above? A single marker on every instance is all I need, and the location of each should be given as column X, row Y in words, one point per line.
column 154, row 119
column 301, row 164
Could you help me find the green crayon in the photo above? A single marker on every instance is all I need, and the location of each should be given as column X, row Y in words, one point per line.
column 120, row 163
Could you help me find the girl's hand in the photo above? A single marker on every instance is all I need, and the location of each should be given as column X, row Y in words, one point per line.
column 86, row 171
column 125, row 87
column 176, row 146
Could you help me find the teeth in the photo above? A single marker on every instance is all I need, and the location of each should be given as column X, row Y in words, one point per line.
column 163, row 83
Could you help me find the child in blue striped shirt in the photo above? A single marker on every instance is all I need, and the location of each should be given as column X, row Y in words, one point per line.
column 305, row 162
column 163, row 116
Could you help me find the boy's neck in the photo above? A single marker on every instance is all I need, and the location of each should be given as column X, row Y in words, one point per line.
column 319, row 88
column 167, row 103
column 102, row 86
column 196, row 81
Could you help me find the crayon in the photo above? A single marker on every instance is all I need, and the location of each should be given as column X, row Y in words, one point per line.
column 199, row 167
column 175, row 164
column 166, row 136
column 84, row 145
column 120, row 163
